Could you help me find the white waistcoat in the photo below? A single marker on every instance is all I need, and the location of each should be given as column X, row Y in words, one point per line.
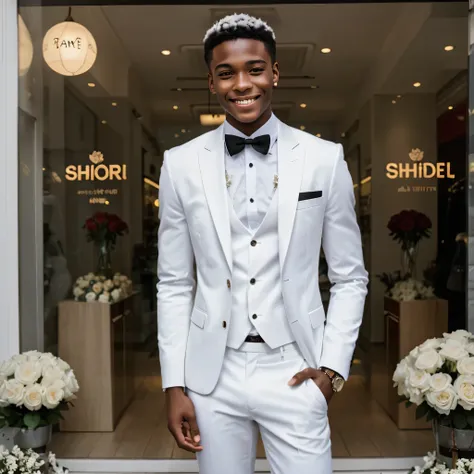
column 257, row 305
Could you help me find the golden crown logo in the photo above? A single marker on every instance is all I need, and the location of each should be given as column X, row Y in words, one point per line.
column 96, row 157
column 416, row 154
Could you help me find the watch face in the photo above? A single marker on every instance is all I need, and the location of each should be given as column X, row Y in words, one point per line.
column 338, row 384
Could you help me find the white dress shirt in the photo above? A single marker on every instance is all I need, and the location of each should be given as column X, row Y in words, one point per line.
column 252, row 174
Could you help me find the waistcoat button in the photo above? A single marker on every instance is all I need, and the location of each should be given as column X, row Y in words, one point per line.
column 253, row 243
column 224, row 324
column 254, row 316
column 252, row 281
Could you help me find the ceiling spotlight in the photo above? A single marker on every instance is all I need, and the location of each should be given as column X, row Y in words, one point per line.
column 314, row 87
column 91, row 84
column 183, row 130
column 449, row 47
column 175, row 107
column 179, row 89
column 302, row 127
column 417, row 84
column 166, row 52
column 104, row 121
column 176, row 135
column 399, row 96
column 394, row 101
column 303, row 106
column 326, row 50
column 343, row 134
column 318, row 135
column 114, row 104
column 450, row 107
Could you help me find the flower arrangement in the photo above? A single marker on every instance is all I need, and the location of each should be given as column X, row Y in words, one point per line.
column 34, row 388
column 438, row 377
column 408, row 227
column 92, row 287
column 433, row 466
column 28, row 461
column 18, row 461
column 410, row 289
column 103, row 229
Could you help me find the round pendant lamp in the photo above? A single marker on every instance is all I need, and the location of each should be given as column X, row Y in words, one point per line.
column 25, row 48
column 69, row 48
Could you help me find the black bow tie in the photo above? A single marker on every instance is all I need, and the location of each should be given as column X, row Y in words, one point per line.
column 236, row 144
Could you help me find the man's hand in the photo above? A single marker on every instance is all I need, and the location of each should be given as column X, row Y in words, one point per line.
column 182, row 420
column 318, row 377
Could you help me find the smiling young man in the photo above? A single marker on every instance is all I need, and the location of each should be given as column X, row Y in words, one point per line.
column 249, row 348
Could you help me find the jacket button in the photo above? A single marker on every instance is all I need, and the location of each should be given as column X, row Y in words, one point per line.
column 254, row 316
column 224, row 324
column 252, row 281
column 253, row 243
column 228, row 283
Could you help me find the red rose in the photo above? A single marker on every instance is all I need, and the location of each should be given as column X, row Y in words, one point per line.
column 114, row 226
column 101, row 217
column 423, row 222
column 407, row 224
column 91, row 226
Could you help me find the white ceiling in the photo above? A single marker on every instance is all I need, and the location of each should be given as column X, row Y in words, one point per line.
column 357, row 34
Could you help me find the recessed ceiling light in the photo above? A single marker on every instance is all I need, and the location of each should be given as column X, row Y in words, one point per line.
column 166, row 52
column 450, row 107
column 104, row 121
column 399, row 96
column 91, row 84
column 183, row 130
column 394, row 101
column 314, row 87
column 343, row 134
column 114, row 104
column 176, row 135
column 449, row 47
column 175, row 107
column 326, row 50
column 417, row 84
column 302, row 127
column 179, row 89
column 303, row 106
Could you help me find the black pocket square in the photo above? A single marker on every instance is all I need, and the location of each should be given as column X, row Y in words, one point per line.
column 309, row 195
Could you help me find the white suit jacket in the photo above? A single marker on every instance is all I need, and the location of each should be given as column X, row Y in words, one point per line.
column 194, row 317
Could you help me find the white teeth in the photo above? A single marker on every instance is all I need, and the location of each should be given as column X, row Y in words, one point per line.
column 245, row 102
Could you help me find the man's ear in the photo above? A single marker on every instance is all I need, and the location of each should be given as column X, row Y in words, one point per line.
column 276, row 72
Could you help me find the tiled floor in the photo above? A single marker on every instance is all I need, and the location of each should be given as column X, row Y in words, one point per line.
column 360, row 428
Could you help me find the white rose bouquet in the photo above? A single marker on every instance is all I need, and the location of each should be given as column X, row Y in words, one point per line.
column 411, row 289
column 432, row 466
column 28, row 461
column 18, row 461
column 92, row 287
column 438, row 377
column 34, row 388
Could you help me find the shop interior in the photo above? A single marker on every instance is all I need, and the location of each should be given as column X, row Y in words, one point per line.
column 388, row 81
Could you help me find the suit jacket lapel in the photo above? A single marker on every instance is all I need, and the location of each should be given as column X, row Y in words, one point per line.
column 212, row 166
column 290, row 172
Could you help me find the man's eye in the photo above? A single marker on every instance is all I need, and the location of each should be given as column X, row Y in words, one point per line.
column 257, row 69
column 225, row 73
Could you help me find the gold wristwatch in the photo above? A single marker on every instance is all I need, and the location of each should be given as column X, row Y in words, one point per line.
column 337, row 381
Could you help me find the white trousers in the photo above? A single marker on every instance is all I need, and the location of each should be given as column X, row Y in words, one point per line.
column 253, row 394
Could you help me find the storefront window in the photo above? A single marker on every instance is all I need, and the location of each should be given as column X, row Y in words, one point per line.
column 90, row 152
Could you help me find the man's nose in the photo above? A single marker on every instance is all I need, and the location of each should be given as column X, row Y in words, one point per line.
column 242, row 82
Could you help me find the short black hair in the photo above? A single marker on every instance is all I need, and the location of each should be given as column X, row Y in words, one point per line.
column 239, row 26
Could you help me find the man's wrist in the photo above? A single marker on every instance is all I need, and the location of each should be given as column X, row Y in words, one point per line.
column 337, row 381
column 174, row 389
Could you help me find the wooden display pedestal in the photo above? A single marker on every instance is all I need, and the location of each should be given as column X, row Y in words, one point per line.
column 94, row 339
column 407, row 325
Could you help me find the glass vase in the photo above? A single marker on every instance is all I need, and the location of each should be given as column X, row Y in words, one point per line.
column 104, row 263
column 408, row 257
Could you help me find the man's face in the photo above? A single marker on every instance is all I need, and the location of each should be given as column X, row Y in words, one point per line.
column 242, row 76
